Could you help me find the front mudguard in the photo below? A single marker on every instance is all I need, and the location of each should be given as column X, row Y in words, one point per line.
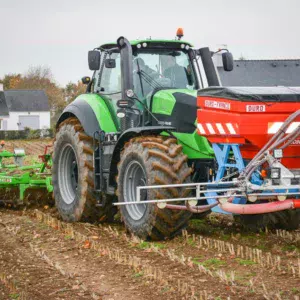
column 84, row 113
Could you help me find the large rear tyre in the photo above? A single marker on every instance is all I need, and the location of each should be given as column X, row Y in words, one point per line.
column 287, row 219
column 152, row 160
column 72, row 175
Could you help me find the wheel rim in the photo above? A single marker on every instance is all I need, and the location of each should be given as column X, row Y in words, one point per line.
column 134, row 176
column 68, row 174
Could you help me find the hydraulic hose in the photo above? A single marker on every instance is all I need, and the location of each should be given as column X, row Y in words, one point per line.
column 252, row 209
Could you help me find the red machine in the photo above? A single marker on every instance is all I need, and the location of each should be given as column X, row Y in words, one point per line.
column 249, row 117
column 261, row 125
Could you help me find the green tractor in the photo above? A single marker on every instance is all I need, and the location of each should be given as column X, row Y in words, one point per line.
column 135, row 126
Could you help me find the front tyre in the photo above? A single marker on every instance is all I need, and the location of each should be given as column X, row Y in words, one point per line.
column 152, row 160
column 72, row 175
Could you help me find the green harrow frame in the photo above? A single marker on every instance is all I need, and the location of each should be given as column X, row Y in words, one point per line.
column 16, row 175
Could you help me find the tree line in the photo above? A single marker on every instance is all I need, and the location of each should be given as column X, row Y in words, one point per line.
column 41, row 78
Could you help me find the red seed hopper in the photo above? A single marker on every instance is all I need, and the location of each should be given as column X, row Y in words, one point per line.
column 249, row 117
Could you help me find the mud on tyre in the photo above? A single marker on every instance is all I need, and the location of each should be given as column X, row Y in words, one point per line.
column 72, row 175
column 152, row 160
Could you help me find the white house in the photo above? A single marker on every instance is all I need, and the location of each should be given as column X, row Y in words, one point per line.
column 27, row 108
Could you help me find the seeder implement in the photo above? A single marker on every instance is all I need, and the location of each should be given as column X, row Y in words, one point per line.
column 17, row 176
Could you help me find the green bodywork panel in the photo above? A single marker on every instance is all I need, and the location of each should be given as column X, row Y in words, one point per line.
column 164, row 101
column 194, row 145
column 105, row 111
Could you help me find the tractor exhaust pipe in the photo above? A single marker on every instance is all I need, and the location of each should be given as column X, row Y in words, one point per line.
column 209, row 67
column 126, row 75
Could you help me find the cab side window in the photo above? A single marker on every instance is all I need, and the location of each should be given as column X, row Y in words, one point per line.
column 111, row 77
column 96, row 78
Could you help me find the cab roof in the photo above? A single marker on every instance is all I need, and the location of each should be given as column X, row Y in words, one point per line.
column 148, row 41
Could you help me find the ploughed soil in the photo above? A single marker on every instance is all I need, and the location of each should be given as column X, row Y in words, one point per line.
column 45, row 259
column 42, row 257
column 46, row 264
column 31, row 147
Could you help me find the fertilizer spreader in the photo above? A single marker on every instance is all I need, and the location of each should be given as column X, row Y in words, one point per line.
column 254, row 133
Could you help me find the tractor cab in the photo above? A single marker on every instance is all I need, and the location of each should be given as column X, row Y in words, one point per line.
column 158, row 68
column 129, row 75
column 155, row 64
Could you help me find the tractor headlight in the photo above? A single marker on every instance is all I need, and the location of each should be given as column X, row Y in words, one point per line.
column 275, row 173
column 129, row 93
column 120, row 113
column 278, row 153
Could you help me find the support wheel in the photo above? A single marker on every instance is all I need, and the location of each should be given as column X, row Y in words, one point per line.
column 152, row 160
column 72, row 175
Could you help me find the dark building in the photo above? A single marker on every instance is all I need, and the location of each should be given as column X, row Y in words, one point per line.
column 3, row 105
column 284, row 72
column 26, row 100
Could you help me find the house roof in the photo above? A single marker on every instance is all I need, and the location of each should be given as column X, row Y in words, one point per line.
column 3, row 105
column 26, row 100
column 284, row 72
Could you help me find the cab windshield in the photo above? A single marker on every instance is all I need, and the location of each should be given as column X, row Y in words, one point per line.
column 155, row 69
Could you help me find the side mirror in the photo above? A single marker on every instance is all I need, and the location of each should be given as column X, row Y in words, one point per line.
column 86, row 80
column 110, row 63
column 227, row 59
column 94, row 60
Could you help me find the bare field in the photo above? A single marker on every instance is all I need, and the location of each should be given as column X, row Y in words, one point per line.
column 31, row 147
column 42, row 257
column 46, row 258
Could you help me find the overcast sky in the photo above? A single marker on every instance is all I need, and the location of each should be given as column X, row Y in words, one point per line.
column 58, row 33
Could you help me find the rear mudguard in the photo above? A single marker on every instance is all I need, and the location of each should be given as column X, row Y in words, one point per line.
column 92, row 112
column 126, row 136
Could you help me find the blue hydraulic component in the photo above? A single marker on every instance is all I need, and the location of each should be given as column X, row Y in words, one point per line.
column 224, row 154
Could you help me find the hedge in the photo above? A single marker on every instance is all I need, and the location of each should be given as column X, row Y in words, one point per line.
column 25, row 134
